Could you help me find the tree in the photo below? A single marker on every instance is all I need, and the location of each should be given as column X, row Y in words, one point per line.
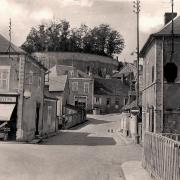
column 115, row 43
column 58, row 36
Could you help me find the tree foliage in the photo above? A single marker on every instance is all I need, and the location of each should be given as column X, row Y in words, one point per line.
column 58, row 36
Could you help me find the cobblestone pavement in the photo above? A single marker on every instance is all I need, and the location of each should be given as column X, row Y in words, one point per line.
column 92, row 151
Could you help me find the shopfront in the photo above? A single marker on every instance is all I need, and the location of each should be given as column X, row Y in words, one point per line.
column 8, row 115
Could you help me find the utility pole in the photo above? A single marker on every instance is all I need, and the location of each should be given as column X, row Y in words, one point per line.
column 172, row 31
column 136, row 6
column 10, row 35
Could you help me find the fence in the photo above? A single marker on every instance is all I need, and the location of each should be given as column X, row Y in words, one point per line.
column 161, row 157
column 175, row 137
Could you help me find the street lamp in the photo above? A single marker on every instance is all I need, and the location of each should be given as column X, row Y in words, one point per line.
column 136, row 6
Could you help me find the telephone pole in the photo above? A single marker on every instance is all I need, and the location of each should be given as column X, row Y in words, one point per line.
column 136, row 6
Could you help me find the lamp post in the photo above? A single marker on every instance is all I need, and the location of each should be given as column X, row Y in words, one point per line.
column 136, row 6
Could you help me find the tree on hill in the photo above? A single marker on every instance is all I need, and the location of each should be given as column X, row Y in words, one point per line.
column 59, row 37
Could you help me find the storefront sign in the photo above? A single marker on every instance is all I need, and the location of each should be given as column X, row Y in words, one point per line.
column 7, row 99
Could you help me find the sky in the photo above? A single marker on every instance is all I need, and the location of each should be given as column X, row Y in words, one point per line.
column 26, row 14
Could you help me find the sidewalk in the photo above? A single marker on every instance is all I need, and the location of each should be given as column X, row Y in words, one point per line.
column 134, row 171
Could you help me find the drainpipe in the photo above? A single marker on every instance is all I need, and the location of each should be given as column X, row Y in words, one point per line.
column 162, row 113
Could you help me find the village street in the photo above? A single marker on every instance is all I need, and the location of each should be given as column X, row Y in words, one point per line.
column 90, row 151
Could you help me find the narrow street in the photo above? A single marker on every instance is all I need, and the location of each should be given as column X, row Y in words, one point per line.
column 92, row 151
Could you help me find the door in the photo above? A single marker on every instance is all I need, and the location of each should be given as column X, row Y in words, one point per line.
column 37, row 118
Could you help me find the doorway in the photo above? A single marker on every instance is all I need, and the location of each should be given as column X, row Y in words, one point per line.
column 37, row 118
column 12, row 124
column 151, row 118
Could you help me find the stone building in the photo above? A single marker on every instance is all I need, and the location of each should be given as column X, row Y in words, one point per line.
column 160, row 99
column 109, row 95
column 21, row 92
column 81, row 92
column 95, row 64
column 59, row 87
column 80, row 85
column 131, row 123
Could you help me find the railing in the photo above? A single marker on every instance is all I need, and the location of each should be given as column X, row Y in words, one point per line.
column 161, row 157
column 175, row 137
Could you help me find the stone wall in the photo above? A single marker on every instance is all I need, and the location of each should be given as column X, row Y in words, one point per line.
column 81, row 61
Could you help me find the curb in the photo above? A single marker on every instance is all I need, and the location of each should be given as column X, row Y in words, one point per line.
column 133, row 170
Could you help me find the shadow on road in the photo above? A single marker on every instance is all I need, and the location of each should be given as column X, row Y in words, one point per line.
column 77, row 138
column 90, row 121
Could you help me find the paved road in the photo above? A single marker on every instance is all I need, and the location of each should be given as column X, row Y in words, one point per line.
column 88, row 152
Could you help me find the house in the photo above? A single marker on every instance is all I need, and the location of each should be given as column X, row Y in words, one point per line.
column 80, row 85
column 109, row 95
column 21, row 92
column 59, row 87
column 130, row 122
column 160, row 98
column 160, row 101
column 81, row 92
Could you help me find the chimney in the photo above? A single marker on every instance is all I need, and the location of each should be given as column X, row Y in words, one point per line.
column 168, row 17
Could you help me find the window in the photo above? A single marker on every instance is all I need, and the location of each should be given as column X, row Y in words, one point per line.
column 30, row 77
column 152, row 73
column 71, row 73
column 39, row 82
column 86, row 87
column 97, row 100
column 49, row 111
column 108, row 101
column 74, row 86
column 125, row 101
column 4, row 78
column 117, row 102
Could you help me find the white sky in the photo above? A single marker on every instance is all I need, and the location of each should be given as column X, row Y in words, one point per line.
column 118, row 13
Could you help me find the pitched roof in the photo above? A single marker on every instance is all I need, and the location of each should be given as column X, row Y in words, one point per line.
column 112, row 87
column 63, row 70
column 165, row 31
column 126, row 70
column 49, row 95
column 4, row 46
column 130, row 106
column 57, row 83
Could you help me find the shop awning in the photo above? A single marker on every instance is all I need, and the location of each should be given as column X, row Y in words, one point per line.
column 6, row 111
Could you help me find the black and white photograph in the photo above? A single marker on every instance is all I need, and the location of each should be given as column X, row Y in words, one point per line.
column 90, row 90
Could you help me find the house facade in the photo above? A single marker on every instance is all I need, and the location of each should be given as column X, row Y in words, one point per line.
column 109, row 95
column 160, row 99
column 59, row 87
column 21, row 87
column 79, row 84
column 81, row 92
